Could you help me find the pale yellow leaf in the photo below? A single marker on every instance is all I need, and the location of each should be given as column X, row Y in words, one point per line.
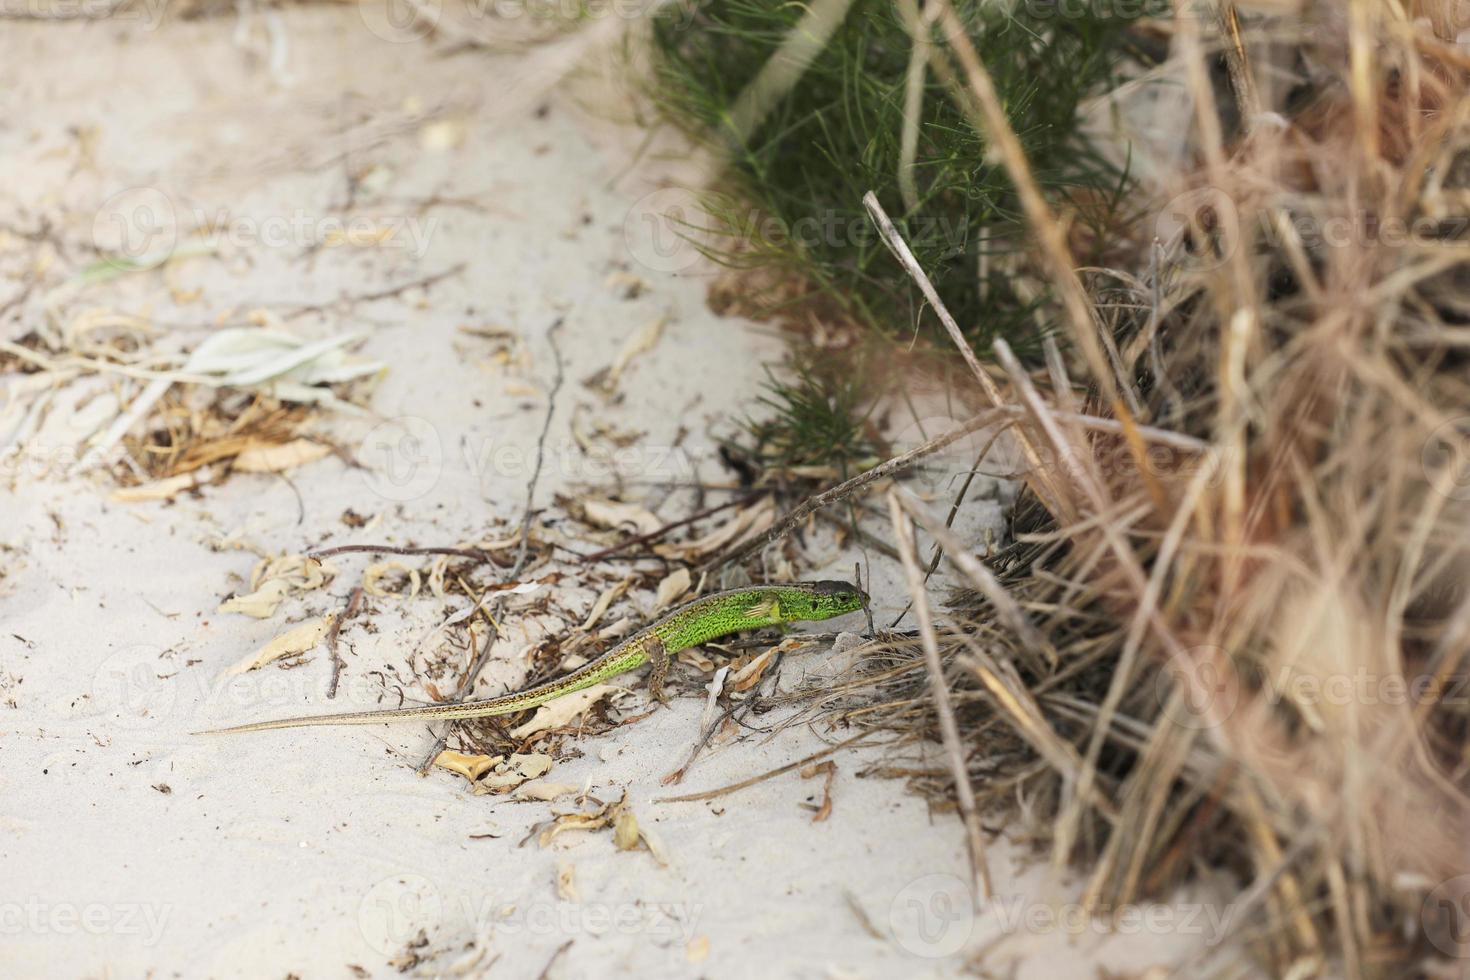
column 471, row 767
column 165, row 489
column 625, row 831
column 599, row 607
column 298, row 640
column 516, row 770
column 698, row 949
column 671, row 588
column 376, row 571
column 639, row 343
column 555, row 714
column 279, row 458
column 616, row 514
column 747, row 524
column 262, row 603
column 543, row 791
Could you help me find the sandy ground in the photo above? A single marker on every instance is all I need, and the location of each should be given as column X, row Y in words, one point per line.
column 129, row 847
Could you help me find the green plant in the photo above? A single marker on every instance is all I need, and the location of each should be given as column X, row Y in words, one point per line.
column 796, row 181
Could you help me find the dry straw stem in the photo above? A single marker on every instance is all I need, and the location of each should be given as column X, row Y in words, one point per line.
column 948, row 728
column 1302, row 536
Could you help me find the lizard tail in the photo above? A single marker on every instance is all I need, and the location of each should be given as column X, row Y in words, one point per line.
column 427, row 712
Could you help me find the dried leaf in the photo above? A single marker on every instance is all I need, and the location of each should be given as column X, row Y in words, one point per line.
column 608, row 597
column 262, row 603
column 165, row 489
column 750, row 675
column 543, row 791
column 639, row 343
column 277, row 458
column 828, row 769
column 517, row 770
column 555, row 714
column 471, row 767
column 594, row 820
column 298, row 640
column 380, row 569
column 617, row 514
column 746, row 524
column 671, row 588
column 625, row 831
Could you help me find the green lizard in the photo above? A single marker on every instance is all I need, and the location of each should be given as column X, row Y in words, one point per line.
column 715, row 615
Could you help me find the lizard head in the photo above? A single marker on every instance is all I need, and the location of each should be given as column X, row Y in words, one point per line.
column 822, row 600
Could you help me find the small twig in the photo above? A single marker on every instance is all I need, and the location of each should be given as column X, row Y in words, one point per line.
column 472, row 676
column 352, row 604
column 779, row 771
column 949, row 729
column 386, row 293
column 887, row 468
column 1007, row 609
column 954, row 510
column 655, row 535
column 388, row 549
column 546, row 970
column 677, row 775
column 540, row 450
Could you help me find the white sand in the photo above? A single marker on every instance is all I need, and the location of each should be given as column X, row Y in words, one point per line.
column 130, row 848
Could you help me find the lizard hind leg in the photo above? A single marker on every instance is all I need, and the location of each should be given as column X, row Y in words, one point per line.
column 659, row 657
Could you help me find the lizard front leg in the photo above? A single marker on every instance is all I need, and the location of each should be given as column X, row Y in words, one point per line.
column 659, row 657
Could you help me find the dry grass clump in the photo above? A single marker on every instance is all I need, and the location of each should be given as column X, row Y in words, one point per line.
column 1232, row 628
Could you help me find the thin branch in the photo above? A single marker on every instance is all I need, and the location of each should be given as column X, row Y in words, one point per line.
column 472, row 676
column 352, row 605
column 388, row 549
column 949, row 729
column 778, row 771
column 655, row 535
column 887, row 468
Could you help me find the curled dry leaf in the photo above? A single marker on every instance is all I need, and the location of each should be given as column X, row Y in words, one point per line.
column 671, row 588
column 279, row 457
column 471, row 767
column 262, row 603
column 555, row 714
column 745, row 525
column 516, row 770
column 165, row 489
column 639, row 343
column 625, row 831
column 608, row 597
column 542, row 791
column 298, row 640
column 273, row 580
column 301, row 572
column 750, row 675
column 616, row 514
column 381, row 569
